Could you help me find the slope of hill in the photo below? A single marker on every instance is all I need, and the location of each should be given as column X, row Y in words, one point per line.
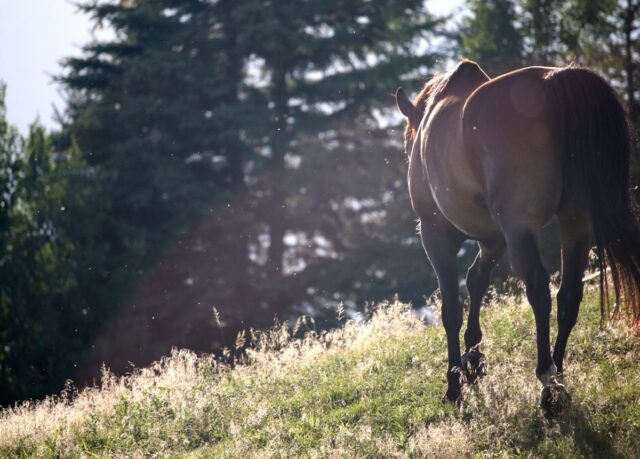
column 367, row 390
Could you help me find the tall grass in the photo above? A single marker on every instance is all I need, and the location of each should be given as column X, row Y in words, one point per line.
column 369, row 389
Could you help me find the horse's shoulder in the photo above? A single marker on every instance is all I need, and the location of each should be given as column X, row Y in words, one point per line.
column 464, row 79
column 468, row 68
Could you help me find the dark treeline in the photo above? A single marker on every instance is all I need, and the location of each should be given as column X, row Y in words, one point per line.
column 223, row 163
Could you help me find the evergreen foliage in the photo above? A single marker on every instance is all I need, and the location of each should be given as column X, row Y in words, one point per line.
column 490, row 36
column 44, row 320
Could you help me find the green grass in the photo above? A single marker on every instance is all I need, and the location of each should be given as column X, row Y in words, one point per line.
column 366, row 390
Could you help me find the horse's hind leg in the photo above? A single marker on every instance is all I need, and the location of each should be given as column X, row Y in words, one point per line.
column 478, row 279
column 525, row 260
column 442, row 242
column 575, row 253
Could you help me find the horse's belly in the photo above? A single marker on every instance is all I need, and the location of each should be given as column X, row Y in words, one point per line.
column 467, row 212
column 458, row 195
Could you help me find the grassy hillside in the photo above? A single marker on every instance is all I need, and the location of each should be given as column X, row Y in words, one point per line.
column 367, row 390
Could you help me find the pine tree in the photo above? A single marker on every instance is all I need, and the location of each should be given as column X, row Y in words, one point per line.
column 490, row 36
column 326, row 61
column 194, row 119
column 156, row 111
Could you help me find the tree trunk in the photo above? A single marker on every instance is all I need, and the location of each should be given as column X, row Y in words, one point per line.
column 237, row 244
column 630, row 65
column 276, row 206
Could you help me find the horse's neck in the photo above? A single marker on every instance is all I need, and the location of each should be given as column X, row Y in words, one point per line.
column 422, row 199
column 442, row 148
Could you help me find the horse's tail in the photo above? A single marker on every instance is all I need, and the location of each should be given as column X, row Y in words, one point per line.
column 594, row 133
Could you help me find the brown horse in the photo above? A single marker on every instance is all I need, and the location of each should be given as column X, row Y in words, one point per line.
column 495, row 160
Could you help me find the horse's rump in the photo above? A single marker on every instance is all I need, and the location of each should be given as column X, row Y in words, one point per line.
column 510, row 138
column 544, row 139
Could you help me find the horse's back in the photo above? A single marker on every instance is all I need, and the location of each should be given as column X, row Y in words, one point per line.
column 508, row 128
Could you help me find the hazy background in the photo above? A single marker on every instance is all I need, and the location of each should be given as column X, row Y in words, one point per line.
column 220, row 166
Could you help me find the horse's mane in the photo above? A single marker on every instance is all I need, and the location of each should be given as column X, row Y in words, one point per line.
column 425, row 98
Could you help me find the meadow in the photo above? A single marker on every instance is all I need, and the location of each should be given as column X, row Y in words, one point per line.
column 371, row 388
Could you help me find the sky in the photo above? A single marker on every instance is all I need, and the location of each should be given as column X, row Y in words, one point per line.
column 36, row 35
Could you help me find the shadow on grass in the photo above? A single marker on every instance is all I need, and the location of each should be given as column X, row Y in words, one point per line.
column 588, row 441
column 571, row 434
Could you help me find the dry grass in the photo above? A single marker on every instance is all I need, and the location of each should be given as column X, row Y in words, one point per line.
column 366, row 390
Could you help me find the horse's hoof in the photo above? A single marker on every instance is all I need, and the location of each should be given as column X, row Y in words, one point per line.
column 554, row 399
column 474, row 364
column 454, row 397
column 455, row 380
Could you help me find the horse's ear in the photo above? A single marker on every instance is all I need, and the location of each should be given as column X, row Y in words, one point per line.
column 407, row 108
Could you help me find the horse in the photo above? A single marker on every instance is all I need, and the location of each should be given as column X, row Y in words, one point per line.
column 495, row 160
